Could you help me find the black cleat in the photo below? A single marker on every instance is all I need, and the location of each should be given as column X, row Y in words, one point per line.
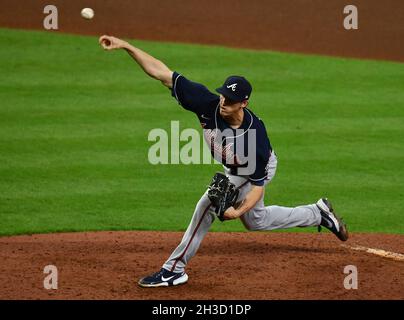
column 163, row 278
column 331, row 221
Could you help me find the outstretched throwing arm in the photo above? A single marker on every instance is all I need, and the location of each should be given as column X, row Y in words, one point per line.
column 150, row 65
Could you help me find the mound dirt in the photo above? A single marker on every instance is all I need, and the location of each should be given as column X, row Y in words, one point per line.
column 247, row 265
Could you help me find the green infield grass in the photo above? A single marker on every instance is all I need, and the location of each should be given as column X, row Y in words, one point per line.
column 74, row 125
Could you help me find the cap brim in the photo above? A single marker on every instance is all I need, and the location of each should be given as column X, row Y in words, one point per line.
column 228, row 94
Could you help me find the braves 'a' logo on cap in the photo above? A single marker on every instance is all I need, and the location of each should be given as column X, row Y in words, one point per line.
column 232, row 86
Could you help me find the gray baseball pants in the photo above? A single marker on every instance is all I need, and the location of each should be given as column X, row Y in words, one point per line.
column 260, row 217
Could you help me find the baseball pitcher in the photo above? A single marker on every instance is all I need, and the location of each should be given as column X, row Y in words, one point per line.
column 238, row 139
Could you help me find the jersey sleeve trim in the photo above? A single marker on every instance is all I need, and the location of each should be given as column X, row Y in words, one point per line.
column 175, row 87
column 259, row 178
column 258, row 183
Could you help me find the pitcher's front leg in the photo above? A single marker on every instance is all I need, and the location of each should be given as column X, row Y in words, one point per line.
column 201, row 221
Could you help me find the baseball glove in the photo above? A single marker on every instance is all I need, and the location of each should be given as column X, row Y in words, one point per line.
column 222, row 193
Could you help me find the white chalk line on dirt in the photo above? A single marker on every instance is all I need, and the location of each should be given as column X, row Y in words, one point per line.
column 377, row 252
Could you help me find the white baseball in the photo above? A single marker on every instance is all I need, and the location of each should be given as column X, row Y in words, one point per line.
column 87, row 13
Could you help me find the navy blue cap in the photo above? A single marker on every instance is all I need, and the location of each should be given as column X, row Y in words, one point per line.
column 236, row 88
